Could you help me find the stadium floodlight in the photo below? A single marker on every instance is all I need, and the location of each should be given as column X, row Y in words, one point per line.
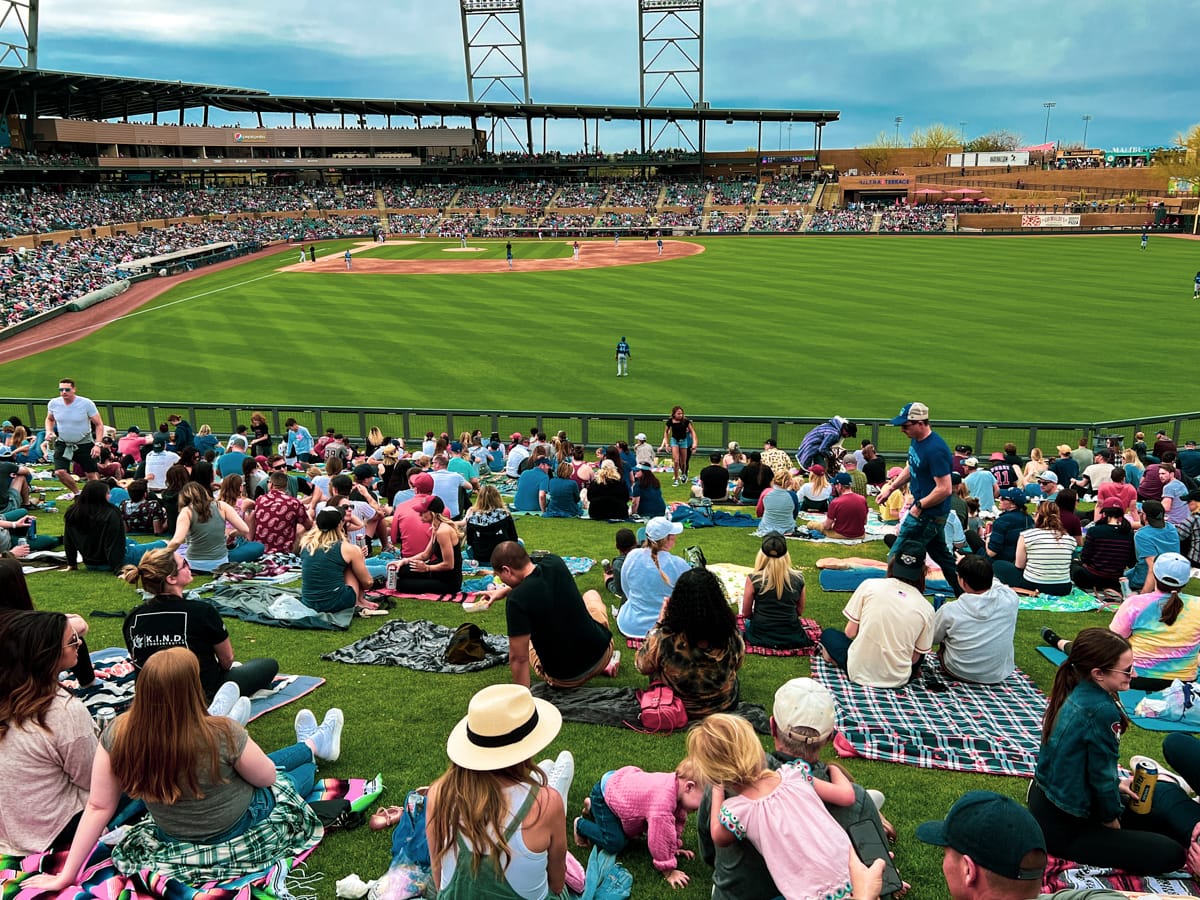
column 19, row 33
column 1049, row 104
column 494, row 47
column 671, row 53
column 1086, row 119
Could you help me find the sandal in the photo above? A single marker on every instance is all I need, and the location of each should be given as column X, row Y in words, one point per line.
column 386, row 817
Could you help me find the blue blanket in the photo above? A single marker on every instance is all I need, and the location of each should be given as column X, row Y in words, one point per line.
column 849, row 579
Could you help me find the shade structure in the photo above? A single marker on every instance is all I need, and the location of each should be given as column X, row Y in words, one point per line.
column 929, row 191
column 965, row 190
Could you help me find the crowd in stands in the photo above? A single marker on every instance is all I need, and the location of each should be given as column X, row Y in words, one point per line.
column 765, row 220
column 528, row 194
column 10, row 156
column 623, row 220
column 735, row 193
column 358, row 198
column 789, row 191
column 556, row 222
column 841, row 220
column 687, row 193
column 725, row 222
column 577, row 195
column 37, row 280
column 913, row 218
column 640, row 194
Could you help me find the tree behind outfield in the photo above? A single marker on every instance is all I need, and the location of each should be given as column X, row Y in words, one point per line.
column 993, row 140
column 935, row 141
column 1183, row 159
column 877, row 153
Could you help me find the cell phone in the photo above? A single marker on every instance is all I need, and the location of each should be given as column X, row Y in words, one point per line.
column 870, row 844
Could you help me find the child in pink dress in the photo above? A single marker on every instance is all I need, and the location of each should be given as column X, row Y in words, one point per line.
column 780, row 812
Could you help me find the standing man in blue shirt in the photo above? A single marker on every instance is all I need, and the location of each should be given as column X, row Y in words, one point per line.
column 928, row 472
column 299, row 440
column 622, row 357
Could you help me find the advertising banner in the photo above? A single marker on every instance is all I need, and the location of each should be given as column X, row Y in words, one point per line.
column 1050, row 220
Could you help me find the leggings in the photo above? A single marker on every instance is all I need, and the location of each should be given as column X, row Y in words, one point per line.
column 1149, row 844
column 253, row 675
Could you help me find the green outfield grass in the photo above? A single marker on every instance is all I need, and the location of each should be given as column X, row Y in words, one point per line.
column 979, row 328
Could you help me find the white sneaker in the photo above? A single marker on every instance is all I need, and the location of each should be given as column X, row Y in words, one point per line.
column 560, row 775
column 240, row 712
column 306, row 725
column 224, row 698
column 327, row 741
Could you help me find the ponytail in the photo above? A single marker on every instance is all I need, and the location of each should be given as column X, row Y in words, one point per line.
column 1172, row 608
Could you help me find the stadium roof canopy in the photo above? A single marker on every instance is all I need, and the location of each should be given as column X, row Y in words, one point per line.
column 49, row 93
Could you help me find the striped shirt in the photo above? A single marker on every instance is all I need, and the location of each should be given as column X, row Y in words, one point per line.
column 1047, row 556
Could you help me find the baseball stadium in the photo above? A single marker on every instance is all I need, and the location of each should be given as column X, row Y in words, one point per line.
column 296, row 314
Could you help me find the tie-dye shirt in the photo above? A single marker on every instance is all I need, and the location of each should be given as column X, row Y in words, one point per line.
column 1160, row 650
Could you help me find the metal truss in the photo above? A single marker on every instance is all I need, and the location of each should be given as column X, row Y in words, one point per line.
column 19, row 33
column 671, row 34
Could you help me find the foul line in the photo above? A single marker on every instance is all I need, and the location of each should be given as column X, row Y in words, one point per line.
column 139, row 312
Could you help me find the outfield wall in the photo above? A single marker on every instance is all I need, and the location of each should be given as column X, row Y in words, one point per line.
column 602, row 429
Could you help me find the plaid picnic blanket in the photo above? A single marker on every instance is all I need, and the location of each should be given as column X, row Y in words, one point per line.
column 811, row 628
column 419, row 645
column 1062, row 875
column 114, row 688
column 992, row 729
column 102, row 881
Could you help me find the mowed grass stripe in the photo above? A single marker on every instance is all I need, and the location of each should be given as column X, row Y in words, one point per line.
column 987, row 328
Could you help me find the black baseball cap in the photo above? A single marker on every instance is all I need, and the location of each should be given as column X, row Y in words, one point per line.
column 996, row 831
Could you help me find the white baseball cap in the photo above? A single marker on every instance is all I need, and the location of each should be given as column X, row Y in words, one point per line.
column 804, row 703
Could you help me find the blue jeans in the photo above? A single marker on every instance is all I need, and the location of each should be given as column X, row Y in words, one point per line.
column 297, row 765
column 837, row 648
column 929, row 531
column 603, row 829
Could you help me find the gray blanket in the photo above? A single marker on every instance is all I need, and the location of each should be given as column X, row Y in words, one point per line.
column 619, row 707
column 417, row 645
column 267, row 604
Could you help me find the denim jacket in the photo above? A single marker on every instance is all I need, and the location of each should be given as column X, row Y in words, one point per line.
column 1077, row 766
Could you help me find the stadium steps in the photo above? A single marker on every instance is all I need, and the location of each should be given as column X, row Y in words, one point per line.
column 553, row 201
column 751, row 212
column 662, row 196
column 830, row 197
column 380, row 202
column 754, row 201
column 815, row 202
column 876, row 221
column 808, row 217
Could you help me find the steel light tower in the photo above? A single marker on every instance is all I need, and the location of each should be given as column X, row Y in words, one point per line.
column 1086, row 120
column 494, row 51
column 1049, row 104
column 19, row 33
column 671, row 34
column 898, row 120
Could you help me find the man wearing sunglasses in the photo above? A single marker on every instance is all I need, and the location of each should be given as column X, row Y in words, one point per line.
column 74, row 429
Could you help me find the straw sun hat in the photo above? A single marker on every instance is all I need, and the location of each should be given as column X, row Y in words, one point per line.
column 504, row 725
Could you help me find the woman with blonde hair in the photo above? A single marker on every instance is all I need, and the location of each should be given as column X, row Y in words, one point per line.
column 219, row 806
column 374, row 441
column 649, row 576
column 437, row 569
column 773, row 600
column 205, row 440
column 489, row 524
column 608, row 494
column 563, row 497
column 169, row 619
column 1035, row 467
column 815, row 493
column 496, row 822
column 200, row 531
column 1133, row 467
column 333, row 572
column 778, row 506
column 46, row 734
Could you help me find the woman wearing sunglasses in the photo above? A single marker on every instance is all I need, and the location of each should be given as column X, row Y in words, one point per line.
column 47, row 741
column 1077, row 795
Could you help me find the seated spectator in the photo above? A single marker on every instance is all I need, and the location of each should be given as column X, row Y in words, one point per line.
column 94, row 530
column 143, row 513
column 753, row 479
column 279, row 518
column 131, row 446
column 778, row 506
column 563, row 499
column 816, row 491
column 773, row 600
column 734, row 460
column 158, row 460
column 1189, row 531
column 530, row 495
column 1066, row 502
column 1098, row 473
column 649, row 575
column 1044, row 554
column 206, row 441
column 626, row 541
column 643, row 452
column 695, row 648
column 200, row 531
column 858, row 481
column 647, row 497
column 451, row 486
column 890, row 625
column 1174, row 494
column 230, row 462
column 333, row 571
column 1108, row 550
column 582, row 472
column 554, row 630
column 980, row 483
column 489, row 524
column 889, row 510
column 437, row 569
column 874, row 467
column 1012, row 522
column 975, row 630
column 1156, row 536
column 846, row 517
column 714, row 480
column 46, row 734
column 222, row 795
column 608, row 496
column 169, row 619
column 1117, row 491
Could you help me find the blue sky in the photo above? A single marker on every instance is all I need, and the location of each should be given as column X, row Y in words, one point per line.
column 988, row 63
